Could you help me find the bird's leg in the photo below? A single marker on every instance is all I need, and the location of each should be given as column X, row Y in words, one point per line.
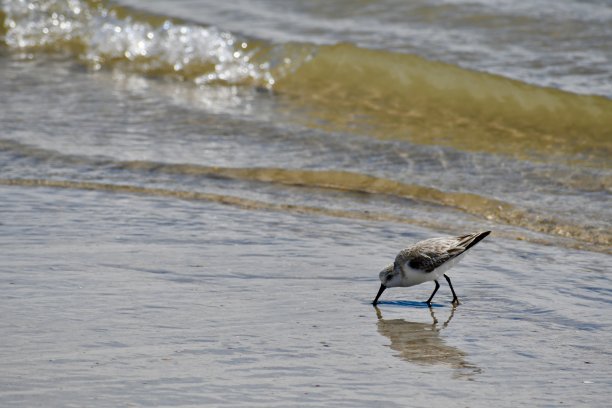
column 455, row 298
column 434, row 292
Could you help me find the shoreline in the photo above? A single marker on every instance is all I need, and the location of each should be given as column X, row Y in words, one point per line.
column 115, row 299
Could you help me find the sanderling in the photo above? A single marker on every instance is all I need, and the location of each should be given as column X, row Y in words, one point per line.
column 427, row 261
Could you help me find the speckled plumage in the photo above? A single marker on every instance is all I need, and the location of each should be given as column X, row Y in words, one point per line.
column 429, row 254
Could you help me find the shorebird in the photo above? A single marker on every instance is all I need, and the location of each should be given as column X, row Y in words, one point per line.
column 427, row 261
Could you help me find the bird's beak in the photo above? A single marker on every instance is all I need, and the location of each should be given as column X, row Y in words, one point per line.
column 380, row 291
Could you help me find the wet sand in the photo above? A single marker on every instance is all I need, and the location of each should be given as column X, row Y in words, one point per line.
column 115, row 299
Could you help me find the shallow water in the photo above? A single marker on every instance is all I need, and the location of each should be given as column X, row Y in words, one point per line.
column 112, row 128
column 194, row 209
column 130, row 97
column 117, row 299
column 549, row 43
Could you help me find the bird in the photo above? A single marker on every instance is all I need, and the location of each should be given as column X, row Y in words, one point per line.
column 426, row 261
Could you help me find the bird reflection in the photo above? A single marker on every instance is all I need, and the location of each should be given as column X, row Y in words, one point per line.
column 420, row 343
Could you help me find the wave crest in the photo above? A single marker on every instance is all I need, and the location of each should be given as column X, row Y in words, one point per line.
column 106, row 36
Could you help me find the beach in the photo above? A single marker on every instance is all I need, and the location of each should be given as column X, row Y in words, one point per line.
column 197, row 200
column 131, row 300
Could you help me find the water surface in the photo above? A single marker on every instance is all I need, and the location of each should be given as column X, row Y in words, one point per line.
column 114, row 299
column 197, row 198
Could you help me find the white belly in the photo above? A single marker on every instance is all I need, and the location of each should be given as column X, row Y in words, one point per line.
column 447, row 265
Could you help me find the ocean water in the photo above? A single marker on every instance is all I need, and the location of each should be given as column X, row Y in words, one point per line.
column 197, row 198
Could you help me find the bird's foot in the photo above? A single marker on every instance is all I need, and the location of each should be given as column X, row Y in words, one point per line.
column 456, row 302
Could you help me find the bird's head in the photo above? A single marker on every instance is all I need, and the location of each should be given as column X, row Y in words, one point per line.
column 391, row 276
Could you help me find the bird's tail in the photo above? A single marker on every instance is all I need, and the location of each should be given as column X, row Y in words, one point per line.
column 469, row 241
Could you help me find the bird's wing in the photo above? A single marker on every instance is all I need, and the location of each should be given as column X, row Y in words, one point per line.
column 431, row 253
column 427, row 255
column 428, row 261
